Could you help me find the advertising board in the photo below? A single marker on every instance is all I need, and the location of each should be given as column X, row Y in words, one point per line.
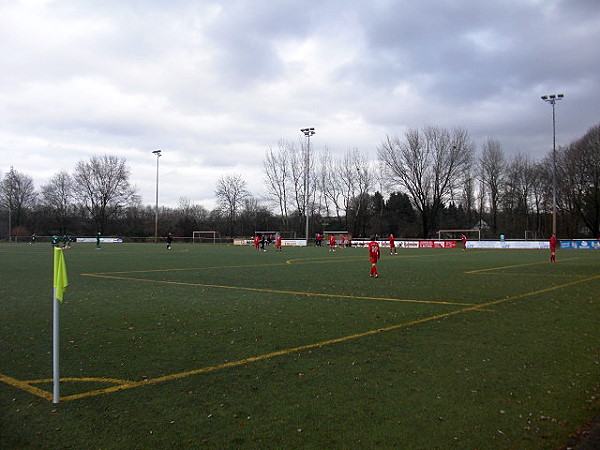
column 103, row 240
column 580, row 245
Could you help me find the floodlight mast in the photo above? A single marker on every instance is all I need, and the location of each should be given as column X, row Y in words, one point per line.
column 158, row 155
column 308, row 132
column 552, row 99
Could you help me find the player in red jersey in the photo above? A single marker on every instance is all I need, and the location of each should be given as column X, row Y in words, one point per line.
column 256, row 241
column 374, row 255
column 552, row 248
column 393, row 250
column 463, row 238
column 278, row 243
column 332, row 243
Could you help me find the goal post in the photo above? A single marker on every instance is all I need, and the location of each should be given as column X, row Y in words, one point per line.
column 211, row 237
column 455, row 234
column 531, row 235
column 328, row 232
column 283, row 234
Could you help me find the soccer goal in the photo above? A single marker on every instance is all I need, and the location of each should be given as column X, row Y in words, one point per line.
column 273, row 234
column 338, row 237
column 531, row 235
column 210, row 237
column 455, row 234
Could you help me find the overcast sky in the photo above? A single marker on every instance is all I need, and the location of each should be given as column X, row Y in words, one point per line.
column 214, row 84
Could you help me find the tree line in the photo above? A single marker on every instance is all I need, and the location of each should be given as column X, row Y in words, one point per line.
column 422, row 181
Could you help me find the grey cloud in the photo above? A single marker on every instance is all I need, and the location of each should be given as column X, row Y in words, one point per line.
column 205, row 79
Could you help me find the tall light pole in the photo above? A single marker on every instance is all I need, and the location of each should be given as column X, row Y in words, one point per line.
column 552, row 99
column 157, row 153
column 308, row 132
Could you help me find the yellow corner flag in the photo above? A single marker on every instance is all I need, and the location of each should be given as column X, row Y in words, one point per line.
column 60, row 273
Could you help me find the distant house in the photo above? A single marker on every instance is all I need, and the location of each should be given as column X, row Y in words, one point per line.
column 481, row 225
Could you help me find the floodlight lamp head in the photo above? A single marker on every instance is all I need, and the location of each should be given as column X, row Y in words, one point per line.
column 560, row 96
column 308, row 132
column 544, row 97
column 157, row 152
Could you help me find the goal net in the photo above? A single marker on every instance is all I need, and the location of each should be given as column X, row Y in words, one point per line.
column 273, row 234
column 531, row 235
column 456, row 234
column 210, row 237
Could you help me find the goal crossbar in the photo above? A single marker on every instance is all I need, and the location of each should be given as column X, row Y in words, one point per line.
column 206, row 236
column 460, row 231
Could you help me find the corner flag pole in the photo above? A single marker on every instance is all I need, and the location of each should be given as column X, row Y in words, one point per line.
column 60, row 282
column 55, row 350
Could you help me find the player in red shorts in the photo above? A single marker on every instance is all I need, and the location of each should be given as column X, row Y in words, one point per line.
column 393, row 250
column 374, row 255
column 553, row 248
column 278, row 243
column 256, row 241
column 463, row 238
column 332, row 243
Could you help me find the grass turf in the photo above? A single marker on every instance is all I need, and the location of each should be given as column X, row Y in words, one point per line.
column 222, row 347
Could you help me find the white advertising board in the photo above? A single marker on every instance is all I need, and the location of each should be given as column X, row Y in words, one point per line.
column 103, row 240
column 536, row 245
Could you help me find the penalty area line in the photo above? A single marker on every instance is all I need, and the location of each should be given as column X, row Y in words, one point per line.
column 133, row 384
column 491, row 269
column 275, row 291
column 265, row 356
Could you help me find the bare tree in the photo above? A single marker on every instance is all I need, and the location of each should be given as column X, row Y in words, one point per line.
column 492, row 169
column 298, row 172
column 481, row 194
column 348, row 179
column 518, row 192
column 17, row 194
column 302, row 163
column 356, row 178
column 429, row 165
column 580, row 178
column 103, row 188
column 189, row 216
column 231, row 191
column 58, row 196
column 276, row 166
column 542, row 186
column 330, row 185
column 467, row 195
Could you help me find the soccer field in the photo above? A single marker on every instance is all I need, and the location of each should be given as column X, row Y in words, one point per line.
column 221, row 346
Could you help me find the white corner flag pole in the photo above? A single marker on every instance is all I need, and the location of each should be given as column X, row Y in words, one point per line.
column 60, row 282
column 55, row 349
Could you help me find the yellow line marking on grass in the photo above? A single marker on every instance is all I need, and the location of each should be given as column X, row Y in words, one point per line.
column 490, row 269
column 324, row 259
column 552, row 288
column 175, row 376
column 187, row 269
column 532, row 274
column 315, row 260
column 274, row 291
column 82, row 379
column 25, row 386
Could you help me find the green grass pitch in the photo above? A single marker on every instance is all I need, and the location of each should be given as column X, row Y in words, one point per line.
column 217, row 346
